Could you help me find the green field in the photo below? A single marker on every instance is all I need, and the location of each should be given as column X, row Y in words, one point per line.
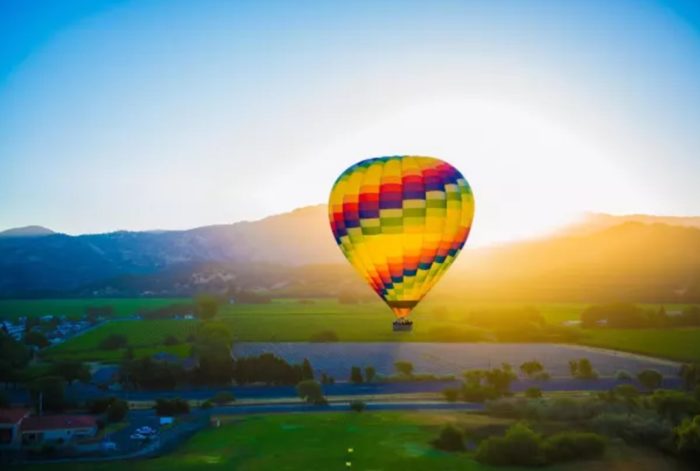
column 681, row 344
column 387, row 441
column 13, row 308
column 298, row 320
column 145, row 337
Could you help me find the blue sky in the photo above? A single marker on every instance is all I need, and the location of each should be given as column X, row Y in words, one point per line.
column 173, row 114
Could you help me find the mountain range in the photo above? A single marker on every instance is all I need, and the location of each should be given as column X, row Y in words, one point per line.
column 639, row 258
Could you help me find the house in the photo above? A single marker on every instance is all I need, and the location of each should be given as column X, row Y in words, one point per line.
column 10, row 421
column 57, row 429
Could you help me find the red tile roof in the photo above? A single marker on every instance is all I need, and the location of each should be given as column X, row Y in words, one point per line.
column 12, row 416
column 55, row 422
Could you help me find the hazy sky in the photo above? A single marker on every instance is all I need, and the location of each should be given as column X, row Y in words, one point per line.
column 173, row 114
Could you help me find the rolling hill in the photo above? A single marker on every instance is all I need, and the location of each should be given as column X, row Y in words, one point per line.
column 639, row 258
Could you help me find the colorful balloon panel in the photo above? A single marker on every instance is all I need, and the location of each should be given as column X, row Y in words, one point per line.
column 401, row 221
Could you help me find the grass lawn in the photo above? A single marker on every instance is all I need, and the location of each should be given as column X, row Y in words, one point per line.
column 386, row 441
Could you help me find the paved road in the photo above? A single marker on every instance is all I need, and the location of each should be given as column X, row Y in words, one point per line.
column 87, row 392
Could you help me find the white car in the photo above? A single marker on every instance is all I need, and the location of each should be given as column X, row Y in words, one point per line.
column 137, row 436
column 145, row 430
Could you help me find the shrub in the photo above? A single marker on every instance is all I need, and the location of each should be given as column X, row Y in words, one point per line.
column 533, row 393
column 637, row 429
column 674, row 405
column 687, row 437
column 451, row 394
column 478, row 393
column 207, row 404
column 311, row 392
column 171, row 340
column 582, row 369
column 404, row 367
column 650, row 379
column 223, row 397
column 450, row 439
column 166, row 407
column 324, row 336
column 568, row 446
column 531, row 368
column 358, row 406
column 520, row 446
column 623, row 375
column 113, row 342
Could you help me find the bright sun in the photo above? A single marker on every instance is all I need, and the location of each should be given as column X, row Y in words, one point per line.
column 530, row 174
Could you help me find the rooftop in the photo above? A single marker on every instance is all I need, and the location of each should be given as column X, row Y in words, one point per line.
column 54, row 422
column 12, row 416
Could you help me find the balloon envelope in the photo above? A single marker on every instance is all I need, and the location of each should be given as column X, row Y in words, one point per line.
column 401, row 221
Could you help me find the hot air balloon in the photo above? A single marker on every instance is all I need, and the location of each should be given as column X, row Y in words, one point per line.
column 401, row 221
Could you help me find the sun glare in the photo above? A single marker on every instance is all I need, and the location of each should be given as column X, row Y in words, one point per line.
column 530, row 174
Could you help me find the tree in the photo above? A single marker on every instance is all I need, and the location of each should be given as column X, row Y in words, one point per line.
column 212, row 348
column 168, row 407
column 687, row 437
column 14, row 356
column 36, row 339
column 650, row 379
column 531, row 368
column 48, row 393
column 533, row 393
column 357, row 406
column 690, row 374
column 450, row 439
column 71, row 370
column 207, row 306
column 113, row 342
column 500, row 379
column 370, row 374
column 306, row 371
column 674, row 405
column 117, row 411
column 356, row 375
column 451, row 394
column 582, row 369
column 311, row 392
column 404, row 367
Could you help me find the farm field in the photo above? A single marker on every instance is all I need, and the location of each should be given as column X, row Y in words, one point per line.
column 297, row 321
column 387, row 441
column 336, row 359
column 14, row 308
column 682, row 344
column 145, row 337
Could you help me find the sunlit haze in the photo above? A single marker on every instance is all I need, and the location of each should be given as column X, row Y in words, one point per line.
column 167, row 114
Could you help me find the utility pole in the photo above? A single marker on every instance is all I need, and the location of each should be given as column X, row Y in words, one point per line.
column 41, row 403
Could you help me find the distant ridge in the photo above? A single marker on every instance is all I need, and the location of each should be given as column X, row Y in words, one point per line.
column 604, row 257
column 595, row 222
column 27, row 231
